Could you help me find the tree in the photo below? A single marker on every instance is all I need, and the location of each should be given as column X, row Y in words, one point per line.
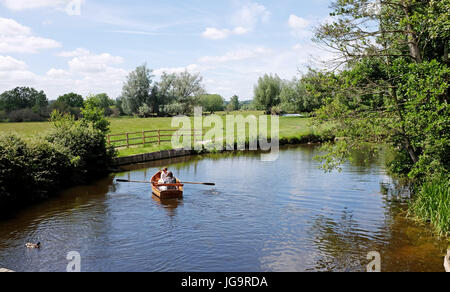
column 394, row 86
column 137, row 90
column 71, row 99
column 102, row 101
column 21, row 98
column 95, row 115
column 267, row 92
column 182, row 88
column 212, row 102
column 234, row 103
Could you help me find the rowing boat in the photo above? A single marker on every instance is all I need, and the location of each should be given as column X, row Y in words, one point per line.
column 166, row 194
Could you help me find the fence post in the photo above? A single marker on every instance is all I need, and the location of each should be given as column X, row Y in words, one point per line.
column 109, row 140
column 128, row 140
column 143, row 138
column 159, row 137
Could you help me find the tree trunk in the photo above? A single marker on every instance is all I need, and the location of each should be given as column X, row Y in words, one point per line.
column 412, row 37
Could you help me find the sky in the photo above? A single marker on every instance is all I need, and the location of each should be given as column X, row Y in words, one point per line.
column 90, row 46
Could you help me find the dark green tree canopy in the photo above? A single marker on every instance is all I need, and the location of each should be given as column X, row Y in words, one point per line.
column 71, row 99
column 212, row 102
column 21, row 98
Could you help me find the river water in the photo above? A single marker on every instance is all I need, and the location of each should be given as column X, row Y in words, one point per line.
column 286, row 215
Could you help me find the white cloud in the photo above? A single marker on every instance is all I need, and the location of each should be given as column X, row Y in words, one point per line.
column 8, row 64
column 93, row 63
column 250, row 15
column 237, row 55
column 18, row 5
column 17, row 38
column 244, row 21
column 219, row 34
column 298, row 22
column 57, row 73
column 193, row 68
column 9, row 27
column 76, row 53
column 85, row 75
column 300, row 27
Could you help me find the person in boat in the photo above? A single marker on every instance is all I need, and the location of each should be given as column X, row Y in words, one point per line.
column 170, row 180
column 164, row 173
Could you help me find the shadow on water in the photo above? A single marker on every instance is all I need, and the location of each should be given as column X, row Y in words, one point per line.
column 286, row 215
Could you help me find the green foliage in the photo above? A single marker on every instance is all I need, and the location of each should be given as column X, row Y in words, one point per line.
column 94, row 115
column 23, row 104
column 71, row 100
column 432, row 204
column 234, row 104
column 173, row 89
column 212, row 102
column 180, row 89
column 102, row 101
column 267, row 92
column 145, row 111
column 85, row 144
column 172, row 109
column 137, row 90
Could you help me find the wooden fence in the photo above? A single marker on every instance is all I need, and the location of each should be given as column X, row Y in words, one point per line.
column 148, row 137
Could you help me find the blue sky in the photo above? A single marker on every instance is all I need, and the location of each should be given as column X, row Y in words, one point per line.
column 89, row 46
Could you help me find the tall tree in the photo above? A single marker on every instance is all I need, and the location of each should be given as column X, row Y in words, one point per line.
column 234, row 103
column 395, row 83
column 267, row 92
column 137, row 90
column 182, row 88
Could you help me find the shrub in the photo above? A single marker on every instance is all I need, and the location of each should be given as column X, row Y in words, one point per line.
column 144, row 111
column 73, row 152
column 24, row 115
column 15, row 183
column 87, row 148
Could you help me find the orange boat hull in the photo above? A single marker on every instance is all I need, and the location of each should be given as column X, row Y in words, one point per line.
column 167, row 194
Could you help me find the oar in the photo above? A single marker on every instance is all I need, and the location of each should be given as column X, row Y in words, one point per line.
column 147, row 182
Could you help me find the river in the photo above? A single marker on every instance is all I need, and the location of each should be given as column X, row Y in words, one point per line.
column 286, row 215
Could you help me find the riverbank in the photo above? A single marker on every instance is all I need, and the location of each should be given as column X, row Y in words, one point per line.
column 174, row 153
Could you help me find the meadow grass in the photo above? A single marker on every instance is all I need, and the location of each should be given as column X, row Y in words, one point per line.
column 290, row 127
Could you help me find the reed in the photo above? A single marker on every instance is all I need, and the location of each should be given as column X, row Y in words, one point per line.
column 432, row 204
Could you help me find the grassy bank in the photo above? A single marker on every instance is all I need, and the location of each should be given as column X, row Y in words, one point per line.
column 292, row 129
column 432, row 204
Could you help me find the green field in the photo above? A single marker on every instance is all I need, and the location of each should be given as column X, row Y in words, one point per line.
column 289, row 127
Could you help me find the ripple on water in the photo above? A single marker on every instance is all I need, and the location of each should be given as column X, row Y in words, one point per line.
column 287, row 215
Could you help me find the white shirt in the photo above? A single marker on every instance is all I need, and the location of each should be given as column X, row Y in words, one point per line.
column 164, row 175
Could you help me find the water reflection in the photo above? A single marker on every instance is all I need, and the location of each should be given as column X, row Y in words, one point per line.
column 287, row 215
column 170, row 205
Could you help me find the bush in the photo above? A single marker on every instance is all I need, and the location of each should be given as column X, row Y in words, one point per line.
column 24, row 115
column 15, row 183
column 145, row 111
column 173, row 109
column 87, row 148
column 74, row 152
